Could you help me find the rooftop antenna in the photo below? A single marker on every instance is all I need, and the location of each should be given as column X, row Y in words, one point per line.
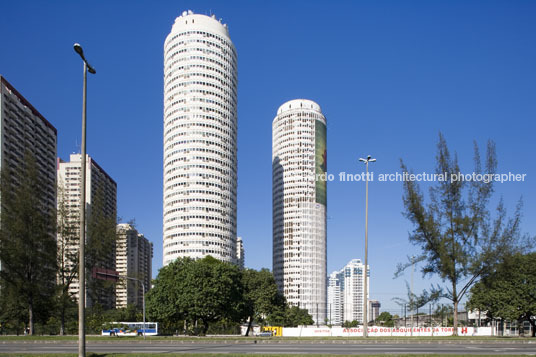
column 76, row 146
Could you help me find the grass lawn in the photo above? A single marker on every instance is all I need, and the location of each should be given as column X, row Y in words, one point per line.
column 219, row 355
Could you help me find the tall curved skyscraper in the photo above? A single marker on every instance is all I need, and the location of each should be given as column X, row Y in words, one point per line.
column 299, row 205
column 200, row 136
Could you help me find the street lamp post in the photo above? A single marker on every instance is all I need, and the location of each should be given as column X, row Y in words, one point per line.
column 81, row 260
column 365, row 299
column 411, row 302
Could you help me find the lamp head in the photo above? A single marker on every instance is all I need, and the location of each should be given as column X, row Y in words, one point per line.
column 363, row 160
column 78, row 49
column 91, row 69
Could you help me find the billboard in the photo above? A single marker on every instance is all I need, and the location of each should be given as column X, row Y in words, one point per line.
column 435, row 331
column 321, row 162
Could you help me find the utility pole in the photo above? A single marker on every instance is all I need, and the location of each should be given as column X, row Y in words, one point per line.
column 365, row 295
column 411, row 293
column 81, row 252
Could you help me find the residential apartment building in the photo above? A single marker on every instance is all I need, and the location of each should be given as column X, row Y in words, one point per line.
column 335, row 298
column 134, row 255
column 299, row 205
column 346, row 293
column 24, row 130
column 374, row 310
column 200, row 140
column 101, row 211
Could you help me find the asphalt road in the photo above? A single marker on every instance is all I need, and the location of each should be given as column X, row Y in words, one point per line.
column 250, row 347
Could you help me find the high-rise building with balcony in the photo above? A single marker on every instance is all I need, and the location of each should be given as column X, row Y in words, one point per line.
column 299, row 205
column 353, row 290
column 335, row 298
column 346, row 293
column 200, row 140
column 101, row 208
column 23, row 129
column 133, row 260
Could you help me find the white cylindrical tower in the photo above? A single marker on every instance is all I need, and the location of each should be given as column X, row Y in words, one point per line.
column 200, row 136
column 299, row 205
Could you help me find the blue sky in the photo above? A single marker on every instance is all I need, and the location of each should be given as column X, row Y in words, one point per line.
column 389, row 75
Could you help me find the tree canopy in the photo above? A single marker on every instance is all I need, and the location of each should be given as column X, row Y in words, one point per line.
column 350, row 324
column 188, row 293
column 27, row 245
column 200, row 291
column 459, row 239
column 67, row 257
column 296, row 316
column 261, row 296
column 509, row 292
column 100, row 248
column 385, row 319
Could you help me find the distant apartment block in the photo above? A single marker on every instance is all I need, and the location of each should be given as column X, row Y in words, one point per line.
column 374, row 310
column 346, row 293
column 240, row 258
column 335, row 312
column 101, row 195
column 23, row 128
column 134, row 255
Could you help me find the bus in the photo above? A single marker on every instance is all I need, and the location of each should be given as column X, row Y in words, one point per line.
column 130, row 329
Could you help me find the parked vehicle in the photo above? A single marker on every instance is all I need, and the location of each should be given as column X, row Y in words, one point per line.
column 264, row 334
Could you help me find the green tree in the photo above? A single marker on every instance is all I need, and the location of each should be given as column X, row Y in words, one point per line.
column 129, row 313
column 350, row 324
column 100, row 248
column 296, row 316
column 96, row 317
column 196, row 292
column 277, row 315
column 214, row 291
column 13, row 311
column 282, row 314
column 385, row 319
column 459, row 239
column 165, row 301
column 27, row 243
column 445, row 313
column 414, row 302
column 509, row 292
column 67, row 257
column 261, row 296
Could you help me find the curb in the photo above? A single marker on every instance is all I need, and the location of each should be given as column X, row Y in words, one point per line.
column 277, row 341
